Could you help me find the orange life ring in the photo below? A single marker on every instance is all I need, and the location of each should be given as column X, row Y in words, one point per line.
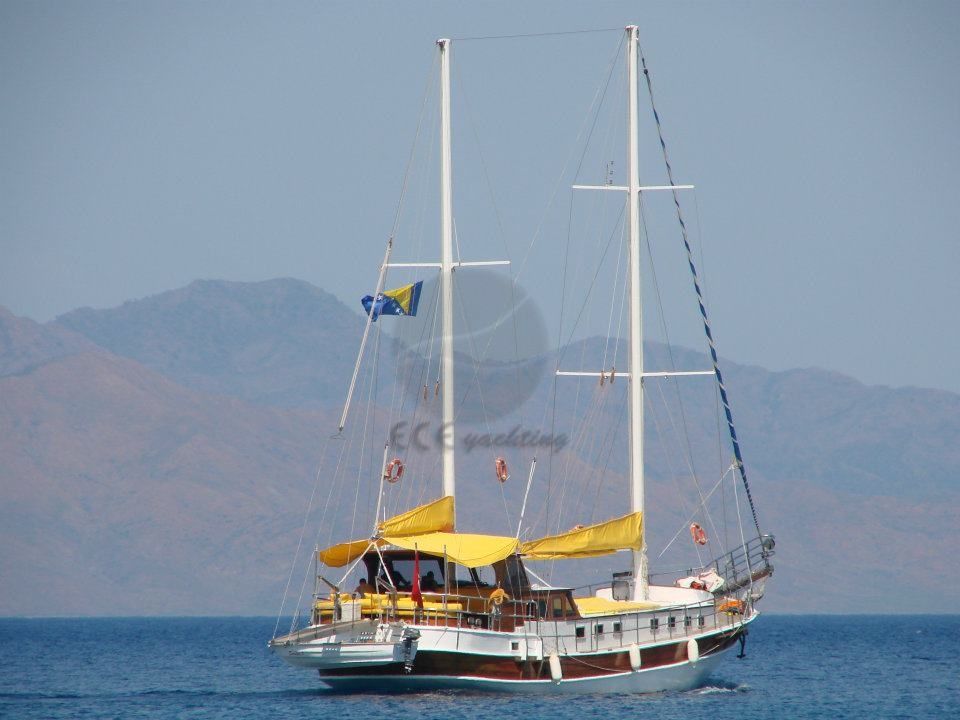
column 394, row 471
column 698, row 534
column 501, row 467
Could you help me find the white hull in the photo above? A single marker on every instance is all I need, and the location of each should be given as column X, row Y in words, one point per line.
column 327, row 655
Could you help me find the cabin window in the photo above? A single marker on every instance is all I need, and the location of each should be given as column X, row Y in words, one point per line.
column 687, row 621
column 581, row 631
column 515, row 646
column 400, row 571
column 654, row 624
column 671, row 622
column 617, row 627
column 558, row 607
column 598, row 629
column 700, row 621
column 511, row 576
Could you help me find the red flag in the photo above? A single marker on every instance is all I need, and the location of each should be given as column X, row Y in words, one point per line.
column 415, row 594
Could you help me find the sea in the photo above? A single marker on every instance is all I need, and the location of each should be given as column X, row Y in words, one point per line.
column 851, row 666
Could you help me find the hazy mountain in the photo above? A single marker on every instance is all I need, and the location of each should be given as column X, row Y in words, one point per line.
column 157, row 458
column 279, row 342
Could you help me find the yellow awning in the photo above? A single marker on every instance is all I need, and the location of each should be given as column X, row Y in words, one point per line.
column 464, row 549
column 345, row 553
column 625, row 533
column 436, row 516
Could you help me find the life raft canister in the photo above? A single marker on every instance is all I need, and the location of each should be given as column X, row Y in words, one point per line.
column 732, row 607
column 501, row 468
column 394, row 471
column 698, row 534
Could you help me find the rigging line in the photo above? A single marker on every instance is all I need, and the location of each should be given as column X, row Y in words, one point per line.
column 688, row 458
column 593, row 281
column 703, row 310
column 416, row 137
column 692, row 516
column 323, row 515
column 303, row 529
column 716, row 392
column 623, row 293
column 537, row 35
column 366, row 421
column 598, row 96
column 613, row 300
column 612, row 442
column 688, row 447
column 476, row 366
column 500, row 231
column 661, row 436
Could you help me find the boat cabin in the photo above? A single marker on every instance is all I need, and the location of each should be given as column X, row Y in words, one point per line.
column 496, row 596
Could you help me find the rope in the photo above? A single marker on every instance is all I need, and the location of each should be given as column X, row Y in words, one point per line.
column 703, row 310
column 541, row 34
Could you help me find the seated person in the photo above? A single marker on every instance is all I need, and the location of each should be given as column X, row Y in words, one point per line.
column 429, row 582
column 364, row 588
column 399, row 581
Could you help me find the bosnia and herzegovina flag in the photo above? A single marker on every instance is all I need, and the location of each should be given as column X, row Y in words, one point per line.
column 400, row 301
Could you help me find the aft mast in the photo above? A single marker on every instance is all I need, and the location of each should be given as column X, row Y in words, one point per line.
column 446, row 276
column 640, row 590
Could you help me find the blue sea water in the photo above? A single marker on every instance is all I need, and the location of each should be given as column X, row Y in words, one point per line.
column 796, row 667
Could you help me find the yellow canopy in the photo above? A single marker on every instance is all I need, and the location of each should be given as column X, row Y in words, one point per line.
column 426, row 528
column 436, row 516
column 625, row 533
column 345, row 553
column 464, row 549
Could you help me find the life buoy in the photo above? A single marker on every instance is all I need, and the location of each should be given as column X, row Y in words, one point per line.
column 394, row 471
column 501, row 467
column 698, row 534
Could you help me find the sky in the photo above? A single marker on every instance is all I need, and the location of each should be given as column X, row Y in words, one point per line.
column 146, row 145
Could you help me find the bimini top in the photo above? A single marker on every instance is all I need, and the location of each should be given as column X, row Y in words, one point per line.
column 625, row 533
column 426, row 529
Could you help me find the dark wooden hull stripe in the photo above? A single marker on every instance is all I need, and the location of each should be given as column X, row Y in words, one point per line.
column 497, row 667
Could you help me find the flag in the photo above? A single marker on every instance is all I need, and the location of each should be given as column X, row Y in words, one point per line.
column 399, row 301
column 415, row 594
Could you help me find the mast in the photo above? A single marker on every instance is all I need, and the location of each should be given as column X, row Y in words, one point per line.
column 640, row 589
column 446, row 274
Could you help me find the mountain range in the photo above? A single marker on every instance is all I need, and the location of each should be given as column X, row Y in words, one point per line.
column 157, row 458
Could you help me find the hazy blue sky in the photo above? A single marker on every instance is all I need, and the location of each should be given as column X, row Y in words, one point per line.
column 145, row 145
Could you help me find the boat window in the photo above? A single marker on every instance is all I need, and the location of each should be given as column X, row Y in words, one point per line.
column 617, row 627
column 654, row 623
column 401, row 572
column 558, row 610
column 511, row 576
column 671, row 622
column 581, row 631
column 598, row 629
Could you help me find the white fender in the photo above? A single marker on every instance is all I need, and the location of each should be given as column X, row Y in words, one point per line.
column 635, row 657
column 693, row 650
column 555, row 672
